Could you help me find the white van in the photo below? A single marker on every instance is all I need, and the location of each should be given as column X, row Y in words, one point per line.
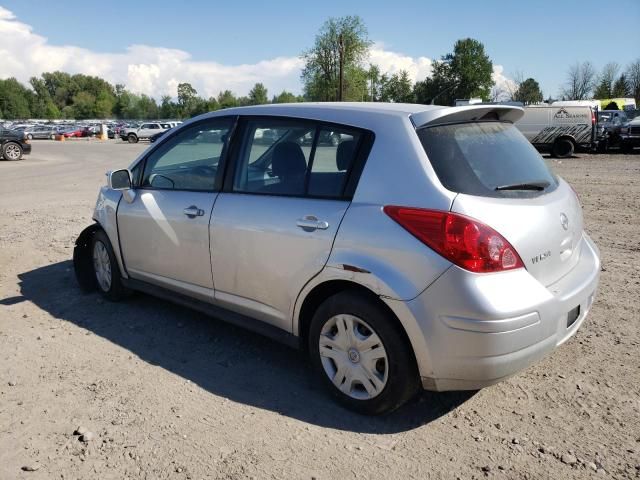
column 559, row 129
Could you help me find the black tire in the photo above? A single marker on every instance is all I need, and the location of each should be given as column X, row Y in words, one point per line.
column 12, row 151
column 626, row 147
column 132, row 138
column 402, row 377
column 603, row 146
column 116, row 290
column 563, row 148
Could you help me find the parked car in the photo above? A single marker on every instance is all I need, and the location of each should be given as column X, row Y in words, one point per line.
column 560, row 129
column 432, row 247
column 630, row 135
column 143, row 132
column 609, row 125
column 40, row 132
column 73, row 132
column 13, row 145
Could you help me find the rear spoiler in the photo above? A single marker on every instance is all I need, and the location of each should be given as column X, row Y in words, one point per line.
column 467, row 113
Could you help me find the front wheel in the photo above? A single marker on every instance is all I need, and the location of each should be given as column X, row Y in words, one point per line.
column 361, row 354
column 105, row 268
column 12, row 151
column 132, row 138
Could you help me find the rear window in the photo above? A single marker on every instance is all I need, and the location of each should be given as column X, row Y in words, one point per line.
column 486, row 159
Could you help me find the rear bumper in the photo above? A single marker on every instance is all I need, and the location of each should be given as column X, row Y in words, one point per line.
column 481, row 329
column 26, row 148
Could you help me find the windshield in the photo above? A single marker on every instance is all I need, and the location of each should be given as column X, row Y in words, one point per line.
column 486, row 159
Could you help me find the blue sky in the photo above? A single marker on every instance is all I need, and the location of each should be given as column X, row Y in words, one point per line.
column 539, row 38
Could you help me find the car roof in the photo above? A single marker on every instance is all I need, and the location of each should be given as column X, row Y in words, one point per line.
column 402, row 109
column 367, row 114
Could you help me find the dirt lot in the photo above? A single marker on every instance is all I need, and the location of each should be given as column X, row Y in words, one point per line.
column 169, row 393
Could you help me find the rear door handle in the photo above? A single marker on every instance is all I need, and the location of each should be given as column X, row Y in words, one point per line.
column 193, row 211
column 309, row 223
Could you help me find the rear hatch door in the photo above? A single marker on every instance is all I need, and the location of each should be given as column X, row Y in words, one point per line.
column 502, row 181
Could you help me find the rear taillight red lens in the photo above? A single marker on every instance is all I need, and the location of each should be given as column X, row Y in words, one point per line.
column 464, row 241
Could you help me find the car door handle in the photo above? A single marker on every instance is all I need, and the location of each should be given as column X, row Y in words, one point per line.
column 193, row 211
column 310, row 223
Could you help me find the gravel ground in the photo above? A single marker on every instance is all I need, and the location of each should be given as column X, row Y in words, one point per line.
column 159, row 391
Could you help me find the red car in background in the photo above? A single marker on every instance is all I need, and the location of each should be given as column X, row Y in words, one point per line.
column 76, row 132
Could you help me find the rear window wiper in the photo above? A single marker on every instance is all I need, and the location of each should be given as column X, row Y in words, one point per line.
column 536, row 186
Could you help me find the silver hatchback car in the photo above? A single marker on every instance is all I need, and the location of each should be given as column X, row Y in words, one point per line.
column 426, row 247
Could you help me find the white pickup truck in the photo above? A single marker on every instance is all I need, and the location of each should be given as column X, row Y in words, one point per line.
column 144, row 131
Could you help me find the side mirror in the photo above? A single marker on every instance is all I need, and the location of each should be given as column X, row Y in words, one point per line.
column 119, row 179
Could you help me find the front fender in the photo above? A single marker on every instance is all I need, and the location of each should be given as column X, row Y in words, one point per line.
column 105, row 213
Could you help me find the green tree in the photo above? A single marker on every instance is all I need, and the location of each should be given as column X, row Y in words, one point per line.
column 43, row 105
column 104, row 105
column 84, row 105
column 528, row 92
column 604, row 89
column 15, row 99
column 212, row 104
column 168, row 108
column 620, row 87
column 258, row 95
column 343, row 38
column 437, row 87
column 227, row 99
column 285, row 97
column 398, row 88
column 470, row 69
column 187, row 99
column 465, row 73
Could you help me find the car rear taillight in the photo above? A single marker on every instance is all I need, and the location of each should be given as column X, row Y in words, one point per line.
column 462, row 240
column 593, row 117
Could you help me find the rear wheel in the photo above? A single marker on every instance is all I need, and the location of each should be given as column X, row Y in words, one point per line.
column 361, row 355
column 105, row 268
column 563, row 148
column 12, row 151
column 132, row 138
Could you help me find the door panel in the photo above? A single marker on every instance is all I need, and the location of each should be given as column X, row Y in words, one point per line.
column 162, row 245
column 164, row 231
column 261, row 258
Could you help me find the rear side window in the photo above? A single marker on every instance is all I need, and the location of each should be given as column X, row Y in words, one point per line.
column 295, row 158
column 486, row 159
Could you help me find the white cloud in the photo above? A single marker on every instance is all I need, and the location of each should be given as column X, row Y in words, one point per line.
column 503, row 84
column 144, row 69
column 157, row 71
column 392, row 62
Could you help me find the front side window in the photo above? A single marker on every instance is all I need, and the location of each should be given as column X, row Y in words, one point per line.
column 189, row 160
column 486, row 159
column 295, row 157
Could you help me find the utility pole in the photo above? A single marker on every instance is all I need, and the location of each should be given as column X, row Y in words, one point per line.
column 341, row 66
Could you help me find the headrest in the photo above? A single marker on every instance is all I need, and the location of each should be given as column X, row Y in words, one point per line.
column 344, row 154
column 288, row 159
